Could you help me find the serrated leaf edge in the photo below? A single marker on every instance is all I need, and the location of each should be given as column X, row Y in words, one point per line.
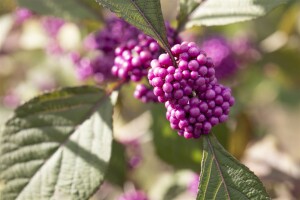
column 88, row 115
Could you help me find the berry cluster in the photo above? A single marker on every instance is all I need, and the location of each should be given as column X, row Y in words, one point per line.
column 115, row 33
column 125, row 53
column 133, row 58
column 98, row 67
column 194, row 100
column 103, row 44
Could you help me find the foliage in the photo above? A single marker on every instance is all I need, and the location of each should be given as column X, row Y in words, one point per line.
column 223, row 177
column 47, row 151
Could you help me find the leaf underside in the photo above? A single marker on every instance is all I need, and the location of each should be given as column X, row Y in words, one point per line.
column 57, row 146
column 223, row 177
column 220, row 12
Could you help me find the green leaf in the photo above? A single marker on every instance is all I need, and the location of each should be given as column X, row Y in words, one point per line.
column 116, row 172
column 57, row 146
column 66, row 9
column 220, row 12
column 223, row 177
column 146, row 15
column 172, row 148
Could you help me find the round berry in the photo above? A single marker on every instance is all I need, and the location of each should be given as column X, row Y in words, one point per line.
column 167, row 87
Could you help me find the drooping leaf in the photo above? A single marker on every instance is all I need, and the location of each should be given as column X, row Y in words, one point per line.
column 223, row 177
column 57, row 146
column 146, row 15
column 172, row 148
column 220, row 12
column 116, row 172
column 66, row 9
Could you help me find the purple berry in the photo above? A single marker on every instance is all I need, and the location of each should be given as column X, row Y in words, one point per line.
column 157, row 82
column 164, row 59
column 183, row 65
column 194, row 75
column 176, row 49
column 210, row 94
column 167, row 87
column 178, row 94
column 194, row 51
column 194, row 112
column 193, row 65
column 201, row 59
column 183, row 123
column 171, row 69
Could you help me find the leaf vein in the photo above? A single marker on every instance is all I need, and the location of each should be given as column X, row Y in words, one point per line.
column 218, row 167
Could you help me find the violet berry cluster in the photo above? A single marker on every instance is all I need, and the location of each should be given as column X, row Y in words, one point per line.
column 97, row 67
column 103, row 44
column 133, row 58
column 122, row 52
column 194, row 99
column 115, row 33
